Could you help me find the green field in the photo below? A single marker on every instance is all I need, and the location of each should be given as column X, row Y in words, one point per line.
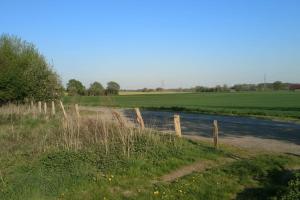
column 269, row 104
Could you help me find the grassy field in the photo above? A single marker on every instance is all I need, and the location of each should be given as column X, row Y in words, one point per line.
column 272, row 104
column 43, row 158
column 122, row 93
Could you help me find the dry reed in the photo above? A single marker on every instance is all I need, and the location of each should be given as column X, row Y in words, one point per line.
column 72, row 131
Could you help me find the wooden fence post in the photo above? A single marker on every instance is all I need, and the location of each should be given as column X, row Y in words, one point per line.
column 77, row 111
column 139, row 118
column 33, row 108
column 63, row 109
column 53, row 108
column 45, row 108
column 216, row 134
column 40, row 107
column 177, row 125
column 118, row 117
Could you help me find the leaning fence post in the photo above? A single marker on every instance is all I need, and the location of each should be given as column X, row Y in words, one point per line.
column 53, row 108
column 216, row 134
column 177, row 125
column 40, row 106
column 63, row 109
column 118, row 117
column 139, row 118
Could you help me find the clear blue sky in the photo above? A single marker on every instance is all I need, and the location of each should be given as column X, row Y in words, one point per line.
column 144, row 42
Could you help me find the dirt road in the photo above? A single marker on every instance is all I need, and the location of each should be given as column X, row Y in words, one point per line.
column 244, row 132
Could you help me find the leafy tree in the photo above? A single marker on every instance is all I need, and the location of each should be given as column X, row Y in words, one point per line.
column 112, row 88
column 278, row 85
column 75, row 87
column 24, row 72
column 159, row 89
column 96, row 89
column 145, row 90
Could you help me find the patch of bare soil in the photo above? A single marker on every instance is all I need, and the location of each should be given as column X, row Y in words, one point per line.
column 254, row 144
column 109, row 114
column 194, row 167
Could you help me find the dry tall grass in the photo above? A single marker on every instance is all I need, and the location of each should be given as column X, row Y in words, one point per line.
column 76, row 132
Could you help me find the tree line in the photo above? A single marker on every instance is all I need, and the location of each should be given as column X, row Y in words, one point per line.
column 26, row 75
column 275, row 86
column 75, row 88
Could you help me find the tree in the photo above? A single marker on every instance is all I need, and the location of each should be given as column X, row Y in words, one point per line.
column 75, row 87
column 278, row 85
column 96, row 89
column 112, row 88
column 145, row 90
column 159, row 89
column 24, row 72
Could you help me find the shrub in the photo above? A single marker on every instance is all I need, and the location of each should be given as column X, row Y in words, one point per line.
column 24, row 72
column 293, row 189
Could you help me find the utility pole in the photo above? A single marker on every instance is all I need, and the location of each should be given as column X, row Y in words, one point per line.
column 265, row 77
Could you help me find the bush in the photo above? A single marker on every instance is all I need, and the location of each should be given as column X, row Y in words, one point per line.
column 24, row 72
column 293, row 190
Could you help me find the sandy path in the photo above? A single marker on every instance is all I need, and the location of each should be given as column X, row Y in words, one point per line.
column 194, row 167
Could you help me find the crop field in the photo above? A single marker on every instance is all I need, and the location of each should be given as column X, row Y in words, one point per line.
column 269, row 104
column 123, row 93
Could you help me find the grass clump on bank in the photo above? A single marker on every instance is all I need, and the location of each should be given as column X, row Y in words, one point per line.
column 47, row 157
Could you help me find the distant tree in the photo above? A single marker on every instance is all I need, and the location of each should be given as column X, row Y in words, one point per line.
column 199, row 89
column 112, row 88
column 225, row 88
column 145, row 90
column 75, row 87
column 278, row 85
column 159, row 89
column 218, row 88
column 96, row 89
column 244, row 87
column 25, row 73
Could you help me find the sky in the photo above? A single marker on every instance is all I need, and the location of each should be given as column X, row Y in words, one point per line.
column 169, row 43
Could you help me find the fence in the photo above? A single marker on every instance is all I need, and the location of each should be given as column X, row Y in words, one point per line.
column 147, row 119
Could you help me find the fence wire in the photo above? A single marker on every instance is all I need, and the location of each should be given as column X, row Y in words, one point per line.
column 191, row 124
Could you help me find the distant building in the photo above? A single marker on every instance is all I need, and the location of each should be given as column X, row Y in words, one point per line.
column 295, row 87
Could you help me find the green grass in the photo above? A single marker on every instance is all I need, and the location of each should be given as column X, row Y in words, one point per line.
column 32, row 166
column 35, row 164
column 261, row 177
column 268, row 104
